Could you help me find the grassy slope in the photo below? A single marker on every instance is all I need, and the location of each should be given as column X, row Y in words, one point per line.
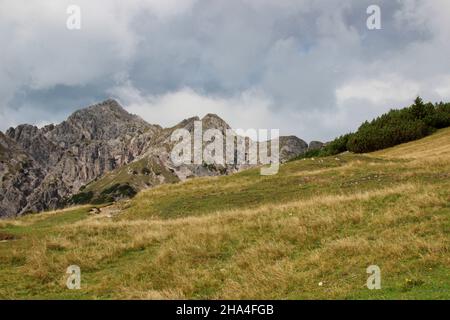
column 133, row 175
column 248, row 236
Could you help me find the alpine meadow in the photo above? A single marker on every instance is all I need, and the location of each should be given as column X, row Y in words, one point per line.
column 224, row 159
column 246, row 236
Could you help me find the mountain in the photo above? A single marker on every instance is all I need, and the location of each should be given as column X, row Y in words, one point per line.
column 100, row 153
column 308, row 232
column 88, row 144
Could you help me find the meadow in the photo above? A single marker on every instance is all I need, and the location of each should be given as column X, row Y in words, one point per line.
column 308, row 232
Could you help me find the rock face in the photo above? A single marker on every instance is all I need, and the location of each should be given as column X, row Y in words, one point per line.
column 291, row 146
column 20, row 174
column 102, row 149
column 315, row 145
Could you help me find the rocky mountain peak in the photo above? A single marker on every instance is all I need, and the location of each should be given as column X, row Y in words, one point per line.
column 212, row 116
column 102, row 121
column 34, row 141
column 187, row 124
column 213, row 121
column 22, row 132
column 107, row 110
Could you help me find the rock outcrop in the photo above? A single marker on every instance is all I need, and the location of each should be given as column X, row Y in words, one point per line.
column 20, row 175
column 315, row 145
column 291, row 146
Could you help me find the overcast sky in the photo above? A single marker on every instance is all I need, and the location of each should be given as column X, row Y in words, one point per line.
column 308, row 67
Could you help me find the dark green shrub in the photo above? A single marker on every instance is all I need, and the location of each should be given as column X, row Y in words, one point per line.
column 310, row 154
column 440, row 118
column 115, row 192
column 400, row 126
column 81, row 198
column 390, row 129
column 337, row 146
column 374, row 138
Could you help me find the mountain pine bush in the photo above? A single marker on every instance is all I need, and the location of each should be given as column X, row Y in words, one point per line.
column 400, row 126
column 390, row 129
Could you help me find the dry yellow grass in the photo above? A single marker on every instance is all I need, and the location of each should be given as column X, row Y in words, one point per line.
column 434, row 146
column 267, row 250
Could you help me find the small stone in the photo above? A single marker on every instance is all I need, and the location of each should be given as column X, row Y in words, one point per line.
column 94, row 211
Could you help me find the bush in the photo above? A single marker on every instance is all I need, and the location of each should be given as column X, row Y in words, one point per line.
column 372, row 138
column 122, row 190
column 310, row 154
column 81, row 198
column 390, row 129
column 440, row 118
column 337, row 146
column 400, row 126
column 115, row 192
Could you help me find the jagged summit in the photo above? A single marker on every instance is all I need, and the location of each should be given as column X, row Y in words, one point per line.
column 107, row 108
column 187, row 124
column 105, row 120
column 213, row 121
column 209, row 121
column 108, row 105
column 212, row 116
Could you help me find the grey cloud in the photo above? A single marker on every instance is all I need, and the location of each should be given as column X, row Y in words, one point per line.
column 298, row 53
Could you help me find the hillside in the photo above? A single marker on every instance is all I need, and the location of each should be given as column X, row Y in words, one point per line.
column 320, row 220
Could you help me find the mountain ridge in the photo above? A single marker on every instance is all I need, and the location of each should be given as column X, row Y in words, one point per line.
column 94, row 144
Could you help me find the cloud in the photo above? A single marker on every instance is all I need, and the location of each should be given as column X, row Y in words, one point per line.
column 379, row 91
column 310, row 68
column 247, row 107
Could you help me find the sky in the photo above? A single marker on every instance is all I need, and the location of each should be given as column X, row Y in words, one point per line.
column 310, row 68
